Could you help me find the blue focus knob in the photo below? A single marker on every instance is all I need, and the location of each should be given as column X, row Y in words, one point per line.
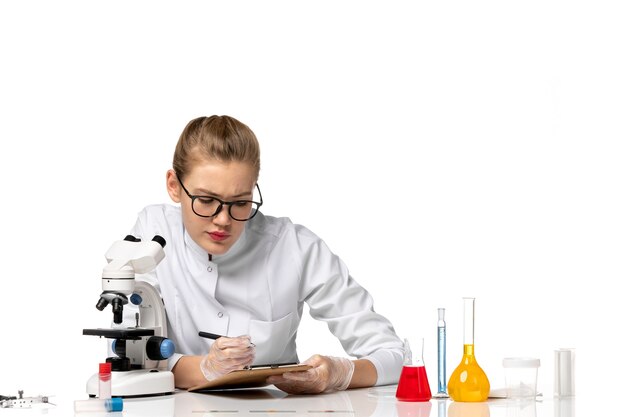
column 167, row 348
column 136, row 299
column 159, row 348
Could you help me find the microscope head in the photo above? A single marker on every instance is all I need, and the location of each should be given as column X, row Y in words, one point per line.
column 126, row 258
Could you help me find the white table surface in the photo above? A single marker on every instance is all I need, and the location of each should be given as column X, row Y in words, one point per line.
column 375, row 402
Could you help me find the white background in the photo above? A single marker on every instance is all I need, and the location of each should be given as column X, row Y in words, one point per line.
column 442, row 149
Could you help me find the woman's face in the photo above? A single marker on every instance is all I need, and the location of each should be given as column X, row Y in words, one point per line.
column 227, row 181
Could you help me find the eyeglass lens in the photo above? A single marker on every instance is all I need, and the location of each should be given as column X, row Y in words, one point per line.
column 239, row 210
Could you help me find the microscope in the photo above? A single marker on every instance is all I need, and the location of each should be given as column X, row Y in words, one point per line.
column 140, row 365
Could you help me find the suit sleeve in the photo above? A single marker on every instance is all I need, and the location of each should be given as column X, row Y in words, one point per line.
column 347, row 308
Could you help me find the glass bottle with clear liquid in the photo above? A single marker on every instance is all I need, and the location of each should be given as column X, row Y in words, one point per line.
column 468, row 382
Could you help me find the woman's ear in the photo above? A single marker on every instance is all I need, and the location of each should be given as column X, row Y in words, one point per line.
column 173, row 186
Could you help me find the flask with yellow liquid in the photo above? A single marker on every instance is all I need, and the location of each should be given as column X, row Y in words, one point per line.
column 468, row 382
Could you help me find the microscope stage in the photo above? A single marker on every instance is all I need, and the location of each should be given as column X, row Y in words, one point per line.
column 129, row 334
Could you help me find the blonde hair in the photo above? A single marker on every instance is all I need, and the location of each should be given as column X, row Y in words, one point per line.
column 216, row 137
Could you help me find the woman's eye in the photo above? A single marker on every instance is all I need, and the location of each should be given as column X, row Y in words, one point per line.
column 206, row 200
column 242, row 203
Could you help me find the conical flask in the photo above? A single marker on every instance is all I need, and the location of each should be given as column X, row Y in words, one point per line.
column 413, row 384
column 468, row 382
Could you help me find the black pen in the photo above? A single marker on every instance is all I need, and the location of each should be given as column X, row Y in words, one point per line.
column 216, row 336
column 210, row 335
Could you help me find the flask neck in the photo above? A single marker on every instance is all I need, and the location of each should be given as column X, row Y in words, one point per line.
column 468, row 350
column 468, row 321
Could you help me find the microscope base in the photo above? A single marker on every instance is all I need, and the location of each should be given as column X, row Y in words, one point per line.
column 137, row 383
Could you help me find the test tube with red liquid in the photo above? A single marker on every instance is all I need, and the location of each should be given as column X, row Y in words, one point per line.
column 413, row 384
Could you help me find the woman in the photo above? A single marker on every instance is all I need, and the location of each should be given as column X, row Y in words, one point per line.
column 232, row 271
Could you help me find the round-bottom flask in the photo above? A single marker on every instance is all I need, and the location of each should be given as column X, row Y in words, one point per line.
column 468, row 382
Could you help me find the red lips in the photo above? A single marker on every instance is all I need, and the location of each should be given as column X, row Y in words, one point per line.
column 219, row 236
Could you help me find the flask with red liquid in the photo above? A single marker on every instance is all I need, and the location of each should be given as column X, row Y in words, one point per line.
column 413, row 384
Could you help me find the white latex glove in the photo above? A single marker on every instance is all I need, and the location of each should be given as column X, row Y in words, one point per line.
column 327, row 374
column 227, row 354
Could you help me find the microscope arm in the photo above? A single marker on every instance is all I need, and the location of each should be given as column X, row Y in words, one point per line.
column 151, row 308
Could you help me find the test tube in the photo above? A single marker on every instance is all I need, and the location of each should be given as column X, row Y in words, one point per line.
column 441, row 354
column 104, row 381
column 98, row 405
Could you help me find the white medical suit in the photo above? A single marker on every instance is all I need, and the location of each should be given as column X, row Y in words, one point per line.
column 258, row 288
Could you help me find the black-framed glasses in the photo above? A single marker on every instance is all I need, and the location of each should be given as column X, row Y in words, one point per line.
column 240, row 210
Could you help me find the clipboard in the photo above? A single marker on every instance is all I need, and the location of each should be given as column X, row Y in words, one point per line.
column 248, row 378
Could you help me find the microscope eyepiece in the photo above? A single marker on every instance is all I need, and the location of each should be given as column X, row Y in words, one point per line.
column 159, row 240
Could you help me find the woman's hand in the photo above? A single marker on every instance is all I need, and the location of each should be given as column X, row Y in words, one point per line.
column 227, row 354
column 327, row 374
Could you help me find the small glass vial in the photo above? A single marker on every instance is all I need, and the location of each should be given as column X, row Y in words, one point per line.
column 104, row 381
column 96, row 405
